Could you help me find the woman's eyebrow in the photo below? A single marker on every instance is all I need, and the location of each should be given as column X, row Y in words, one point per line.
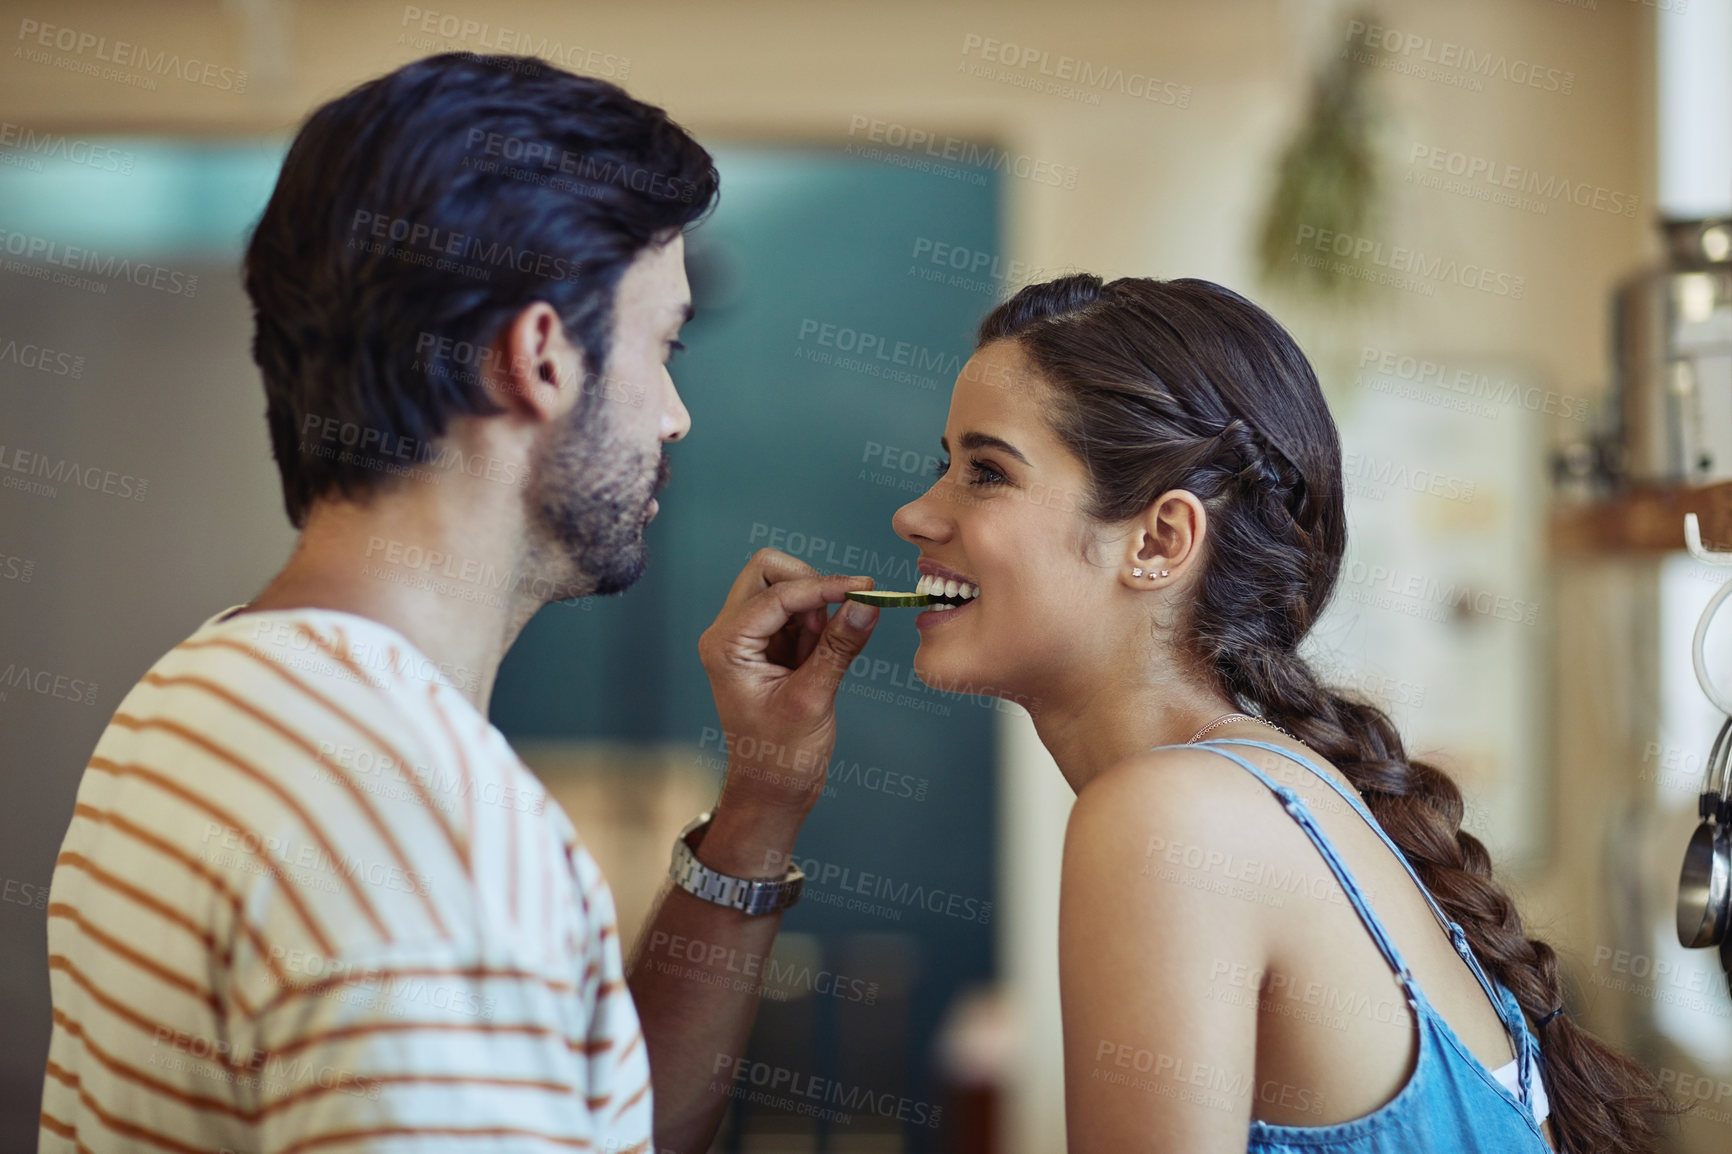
column 974, row 440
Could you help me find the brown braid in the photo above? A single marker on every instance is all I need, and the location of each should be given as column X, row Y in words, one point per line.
column 1184, row 384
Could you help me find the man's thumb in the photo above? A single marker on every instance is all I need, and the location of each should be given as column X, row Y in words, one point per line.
column 841, row 642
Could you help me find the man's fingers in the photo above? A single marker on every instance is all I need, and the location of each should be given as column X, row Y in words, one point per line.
column 811, row 628
column 840, row 643
column 764, row 614
column 766, row 568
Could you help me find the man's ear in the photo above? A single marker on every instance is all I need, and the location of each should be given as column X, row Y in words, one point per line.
column 532, row 367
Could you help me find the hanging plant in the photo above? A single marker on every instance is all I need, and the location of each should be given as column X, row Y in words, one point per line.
column 1327, row 179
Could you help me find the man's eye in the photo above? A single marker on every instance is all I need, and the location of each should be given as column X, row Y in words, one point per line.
column 675, row 348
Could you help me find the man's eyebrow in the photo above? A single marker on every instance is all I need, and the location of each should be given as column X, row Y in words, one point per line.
column 685, row 313
column 974, row 440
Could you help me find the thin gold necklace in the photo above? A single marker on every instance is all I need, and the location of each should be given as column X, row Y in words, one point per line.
column 1233, row 716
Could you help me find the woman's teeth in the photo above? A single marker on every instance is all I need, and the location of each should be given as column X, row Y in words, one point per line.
column 949, row 590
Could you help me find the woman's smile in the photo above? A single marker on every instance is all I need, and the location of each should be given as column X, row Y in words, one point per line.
column 957, row 589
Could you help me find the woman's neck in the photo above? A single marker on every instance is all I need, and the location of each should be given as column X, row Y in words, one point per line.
column 1091, row 730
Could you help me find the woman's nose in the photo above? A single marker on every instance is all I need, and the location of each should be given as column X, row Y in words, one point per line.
column 922, row 519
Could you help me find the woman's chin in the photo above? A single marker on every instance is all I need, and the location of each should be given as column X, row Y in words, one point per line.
column 939, row 669
column 948, row 665
column 927, row 665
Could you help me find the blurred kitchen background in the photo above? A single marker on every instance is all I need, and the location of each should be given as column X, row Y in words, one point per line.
column 1499, row 227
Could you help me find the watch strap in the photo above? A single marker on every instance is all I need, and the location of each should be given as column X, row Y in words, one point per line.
column 754, row 896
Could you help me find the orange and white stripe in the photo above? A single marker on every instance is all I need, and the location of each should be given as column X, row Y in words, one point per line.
column 310, row 900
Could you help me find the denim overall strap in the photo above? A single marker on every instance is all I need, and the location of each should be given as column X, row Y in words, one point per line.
column 1297, row 810
column 1507, row 1009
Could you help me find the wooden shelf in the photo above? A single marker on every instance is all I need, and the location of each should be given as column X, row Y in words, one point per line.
column 1644, row 521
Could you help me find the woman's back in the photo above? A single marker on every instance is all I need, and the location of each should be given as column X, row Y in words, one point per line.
column 1281, row 963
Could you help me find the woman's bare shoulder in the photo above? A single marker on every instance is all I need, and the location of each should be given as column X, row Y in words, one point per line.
column 1181, row 793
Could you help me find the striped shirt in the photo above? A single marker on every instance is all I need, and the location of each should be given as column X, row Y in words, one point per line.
column 311, row 900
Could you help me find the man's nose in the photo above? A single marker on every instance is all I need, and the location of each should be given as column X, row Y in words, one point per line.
column 676, row 421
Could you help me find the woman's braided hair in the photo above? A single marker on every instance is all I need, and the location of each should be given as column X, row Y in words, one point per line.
column 1183, row 384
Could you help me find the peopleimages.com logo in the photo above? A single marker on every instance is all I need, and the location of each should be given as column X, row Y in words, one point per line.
column 907, row 139
column 105, row 266
column 1456, row 64
column 122, row 54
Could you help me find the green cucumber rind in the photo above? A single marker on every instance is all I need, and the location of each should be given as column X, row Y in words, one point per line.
column 887, row 599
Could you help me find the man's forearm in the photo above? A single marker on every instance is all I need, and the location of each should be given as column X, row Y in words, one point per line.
column 695, row 976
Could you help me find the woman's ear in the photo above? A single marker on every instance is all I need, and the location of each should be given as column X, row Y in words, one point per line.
column 1164, row 541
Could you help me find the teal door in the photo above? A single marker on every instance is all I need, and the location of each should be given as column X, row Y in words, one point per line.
column 836, row 299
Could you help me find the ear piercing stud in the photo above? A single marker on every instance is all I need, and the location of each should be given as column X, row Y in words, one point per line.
column 1135, row 572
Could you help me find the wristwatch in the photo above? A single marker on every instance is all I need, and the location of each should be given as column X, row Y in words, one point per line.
column 743, row 894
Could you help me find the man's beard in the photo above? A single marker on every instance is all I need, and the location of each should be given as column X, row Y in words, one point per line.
column 588, row 504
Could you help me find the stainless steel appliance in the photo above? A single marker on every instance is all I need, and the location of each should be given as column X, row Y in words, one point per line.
column 1672, row 346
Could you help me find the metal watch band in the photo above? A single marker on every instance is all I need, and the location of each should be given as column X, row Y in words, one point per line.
column 743, row 894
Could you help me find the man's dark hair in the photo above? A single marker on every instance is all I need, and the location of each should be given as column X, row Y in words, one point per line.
column 418, row 214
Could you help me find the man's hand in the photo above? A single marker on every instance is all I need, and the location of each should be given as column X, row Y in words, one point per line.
column 775, row 660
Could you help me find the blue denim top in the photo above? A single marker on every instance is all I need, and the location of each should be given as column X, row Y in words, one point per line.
column 1452, row 1102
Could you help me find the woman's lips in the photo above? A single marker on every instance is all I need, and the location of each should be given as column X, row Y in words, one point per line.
column 951, row 590
column 928, row 618
column 932, row 570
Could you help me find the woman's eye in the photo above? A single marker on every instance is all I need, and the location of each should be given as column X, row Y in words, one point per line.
column 980, row 473
column 674, row 348
column 985, row 474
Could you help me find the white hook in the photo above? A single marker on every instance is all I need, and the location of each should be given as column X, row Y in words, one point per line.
column 1693, row 538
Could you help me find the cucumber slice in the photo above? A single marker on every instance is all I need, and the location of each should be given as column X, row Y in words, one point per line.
column 888, row 600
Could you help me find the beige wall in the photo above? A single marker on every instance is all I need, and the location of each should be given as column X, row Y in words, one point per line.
column 1160, row 190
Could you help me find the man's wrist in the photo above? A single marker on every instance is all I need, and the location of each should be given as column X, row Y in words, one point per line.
column 750, row 841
